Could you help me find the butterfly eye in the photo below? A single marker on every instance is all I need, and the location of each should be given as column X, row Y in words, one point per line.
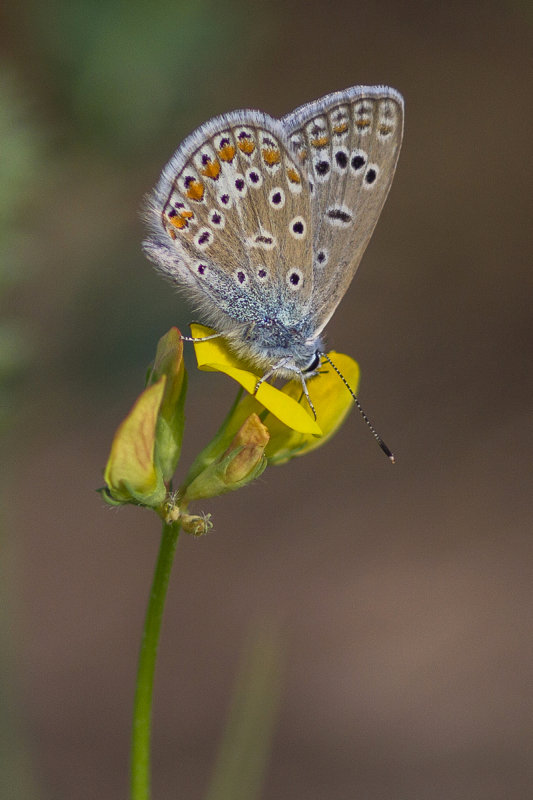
column 313, row 364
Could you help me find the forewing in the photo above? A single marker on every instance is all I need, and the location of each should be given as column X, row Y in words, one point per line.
column 230, row 221
column 349, row 143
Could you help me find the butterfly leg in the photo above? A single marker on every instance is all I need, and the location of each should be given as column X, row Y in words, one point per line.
column 269, row 374
column 307, row 397
column 300, row 374
column 304, row 387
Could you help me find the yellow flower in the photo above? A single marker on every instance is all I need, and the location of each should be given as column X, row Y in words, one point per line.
column 285, row 412
column 215, row 356
column 332, row 402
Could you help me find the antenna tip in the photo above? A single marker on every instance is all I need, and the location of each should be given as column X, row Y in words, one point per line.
column 388, row 453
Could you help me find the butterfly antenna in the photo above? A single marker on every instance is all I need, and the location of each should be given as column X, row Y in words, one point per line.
column 373, row 431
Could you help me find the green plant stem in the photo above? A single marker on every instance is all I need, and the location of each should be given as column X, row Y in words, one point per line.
column 142, row 709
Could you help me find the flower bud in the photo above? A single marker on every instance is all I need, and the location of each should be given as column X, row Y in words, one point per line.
column 243, row 461
column 147, row 444
column 171, row 417
column 131, row 473
column 196, row 525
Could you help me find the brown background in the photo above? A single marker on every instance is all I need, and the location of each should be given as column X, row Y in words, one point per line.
column 402, row 595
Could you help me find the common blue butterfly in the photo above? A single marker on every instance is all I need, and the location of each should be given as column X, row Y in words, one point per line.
column 262, row 222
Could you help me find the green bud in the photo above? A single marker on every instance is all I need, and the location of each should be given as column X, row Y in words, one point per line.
column 146, row 447
column 171, row 417
column 196, row 525
column 243, row 462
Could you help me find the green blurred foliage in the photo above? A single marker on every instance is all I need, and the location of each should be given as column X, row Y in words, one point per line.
column 124, row 69
column 21, row 159
column 117, row 86
column 244, row 750
column 91, row 93
column 22, row 138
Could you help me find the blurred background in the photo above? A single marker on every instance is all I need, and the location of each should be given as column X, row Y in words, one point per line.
column 401, row 597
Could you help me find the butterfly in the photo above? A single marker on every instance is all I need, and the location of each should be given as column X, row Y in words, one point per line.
column 262, row 222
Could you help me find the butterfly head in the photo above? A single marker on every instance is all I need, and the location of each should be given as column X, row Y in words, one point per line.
column 273, row 346
column 314, row 363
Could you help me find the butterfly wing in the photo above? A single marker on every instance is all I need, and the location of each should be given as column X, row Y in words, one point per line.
column 349, row 143
column 229, row 222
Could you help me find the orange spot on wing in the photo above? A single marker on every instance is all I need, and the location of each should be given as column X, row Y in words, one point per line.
column 293, row 176
column 227, row 153
column 385, row 129
column 195, row 190
column 246, row 146
column 342, row 128
column 362, row 123
column 321, row 141
column 271, row 156
column 178, row 222
column 211, row 170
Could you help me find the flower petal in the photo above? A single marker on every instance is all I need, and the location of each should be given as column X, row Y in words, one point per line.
column 332, row 402
column 214, row 355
